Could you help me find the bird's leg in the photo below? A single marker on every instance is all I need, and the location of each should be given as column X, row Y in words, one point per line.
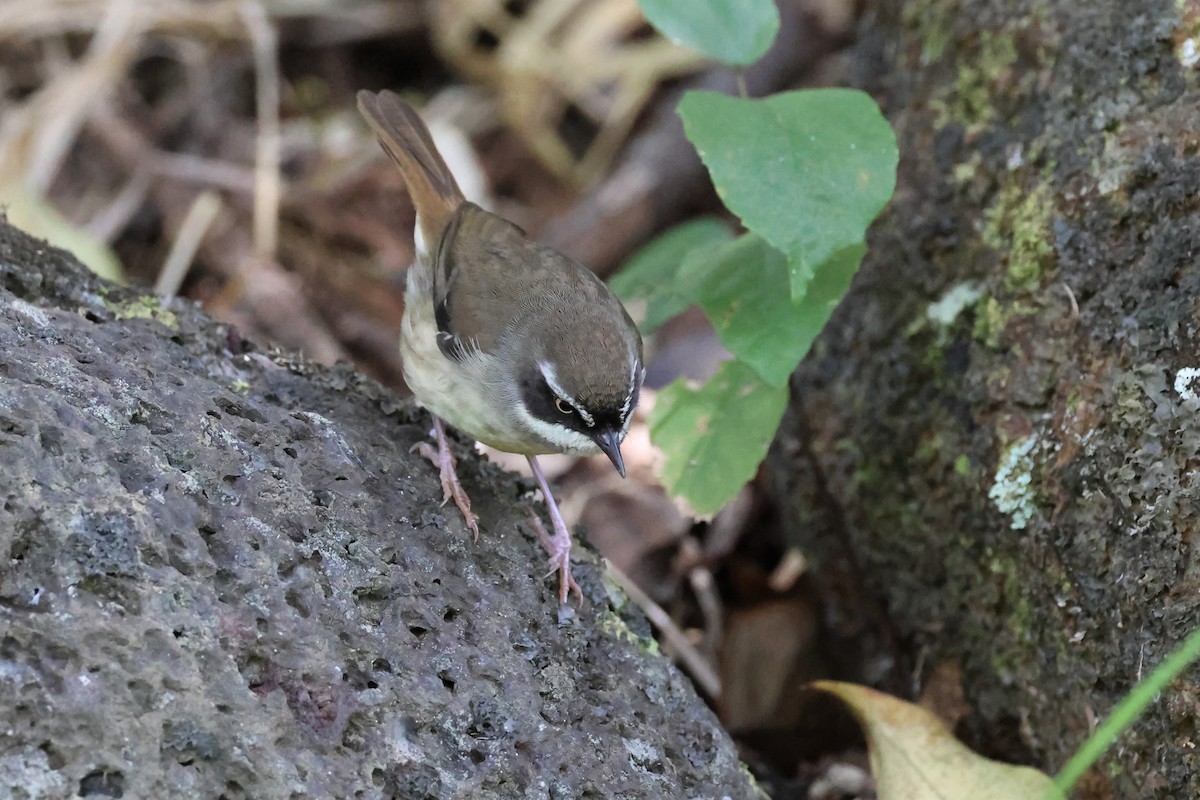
column 444, row 460
column 558, row 545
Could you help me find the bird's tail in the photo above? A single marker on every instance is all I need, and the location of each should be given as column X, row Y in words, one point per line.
column 406, row 139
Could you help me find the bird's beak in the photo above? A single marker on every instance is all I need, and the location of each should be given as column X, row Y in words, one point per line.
column 609, row 440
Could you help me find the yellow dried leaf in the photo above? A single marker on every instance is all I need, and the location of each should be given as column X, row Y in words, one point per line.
column 31, row 213
column 914, row 757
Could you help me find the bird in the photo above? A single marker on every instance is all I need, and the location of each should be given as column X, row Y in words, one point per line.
column 511, row 342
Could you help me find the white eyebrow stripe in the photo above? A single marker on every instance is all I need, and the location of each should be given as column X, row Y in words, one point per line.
column 552, row 381
column 632, row 390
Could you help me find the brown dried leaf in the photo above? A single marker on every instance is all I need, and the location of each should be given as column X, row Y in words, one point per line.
column 914, row 756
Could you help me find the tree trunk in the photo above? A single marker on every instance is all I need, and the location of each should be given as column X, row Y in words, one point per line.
column 225, row 576
column 996, row 439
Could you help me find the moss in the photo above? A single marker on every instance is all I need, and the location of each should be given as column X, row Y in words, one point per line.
column 144, row 306
column 962, row 465
column 933, row 359
column 971, row 99
column 928, row 450
column 933, row 25
column 989, row 323
column 966, row 171
column 867, row 472
column 1018, row 224
column 1021, row 625
column 618, row 600
column 993, row 317
column 1008, row 661
column 613, row 625
column 753, row 782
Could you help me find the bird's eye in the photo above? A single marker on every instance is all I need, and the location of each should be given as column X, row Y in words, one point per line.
column 563, row 406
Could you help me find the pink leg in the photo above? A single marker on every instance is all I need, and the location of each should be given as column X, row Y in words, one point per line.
column 444, row 460
column 558, row 545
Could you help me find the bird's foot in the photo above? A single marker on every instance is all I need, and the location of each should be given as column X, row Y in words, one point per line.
column 559, row 548
column 558, row 545
column 447, row 465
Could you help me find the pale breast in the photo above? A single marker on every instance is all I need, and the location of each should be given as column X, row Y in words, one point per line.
column 464, row 393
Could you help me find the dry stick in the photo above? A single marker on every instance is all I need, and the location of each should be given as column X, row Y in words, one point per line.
column 711, row 608
column 113, row 218
column 25, row 22
column 273, row 295
column 339, row 23
column 65, row 102
column 690, row 560
column 267, row 188
column 211, row 171
column 788, row 570
column 138, row 153
column 191, row 232
column 342, row 23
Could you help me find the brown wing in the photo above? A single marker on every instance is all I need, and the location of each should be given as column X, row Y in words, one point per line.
column 478, row 283
column 406, row 139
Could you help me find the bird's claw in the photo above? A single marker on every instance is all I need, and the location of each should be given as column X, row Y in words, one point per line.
column 559, row 548
column 447, row 465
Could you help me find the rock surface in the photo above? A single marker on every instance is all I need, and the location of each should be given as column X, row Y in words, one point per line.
column 996, row 437
column 224, row 576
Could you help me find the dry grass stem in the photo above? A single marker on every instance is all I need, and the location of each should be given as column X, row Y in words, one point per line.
column 195, row 225
column 36, row 137
column 267, row 188
column 113, row 218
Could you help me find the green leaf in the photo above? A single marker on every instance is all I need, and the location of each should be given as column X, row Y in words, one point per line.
column 714, row 437
column 806, row 170
column 647, row 284
column 827, row 288
column 742, row 287
column 734, row 31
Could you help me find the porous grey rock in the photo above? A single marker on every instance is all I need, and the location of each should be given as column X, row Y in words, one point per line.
column 225, row 576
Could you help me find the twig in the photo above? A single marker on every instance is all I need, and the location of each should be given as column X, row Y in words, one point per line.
column 113, row 218
column 51, row 122
column 711, row 608
column 210, row 171
column 267, row 188
column 1074, row 302
column 788, row 570
column 191, row 232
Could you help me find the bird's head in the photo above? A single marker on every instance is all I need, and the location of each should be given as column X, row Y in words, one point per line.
column 580, row 380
